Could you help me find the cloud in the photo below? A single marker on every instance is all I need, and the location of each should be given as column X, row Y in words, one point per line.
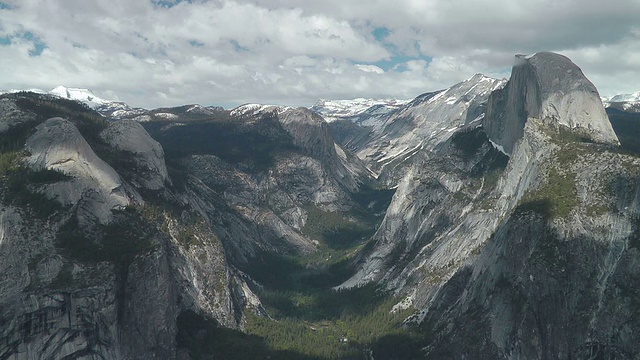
column 369, row 68
column 160, row 53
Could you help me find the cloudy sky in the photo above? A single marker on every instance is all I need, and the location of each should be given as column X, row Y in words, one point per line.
column 155, row 53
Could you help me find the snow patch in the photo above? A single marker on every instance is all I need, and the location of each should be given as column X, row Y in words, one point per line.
column 254, row 109
column 168, row 116
column 499, row 147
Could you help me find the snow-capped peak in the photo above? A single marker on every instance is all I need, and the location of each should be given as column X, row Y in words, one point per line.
column 254, row 109
column 333, row 110
column 83, row 95
column 626, row 102
column 626, row 97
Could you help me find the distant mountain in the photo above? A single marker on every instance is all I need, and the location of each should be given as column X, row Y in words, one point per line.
column 387, row 136
column 624, row 102
column 85, row 96
column 333, row 110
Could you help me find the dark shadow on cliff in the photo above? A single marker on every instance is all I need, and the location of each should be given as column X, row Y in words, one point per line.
column 533, row 290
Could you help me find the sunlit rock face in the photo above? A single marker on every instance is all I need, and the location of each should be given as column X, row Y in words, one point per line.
column 58, row 145
column 388, row 139
column 546, row 86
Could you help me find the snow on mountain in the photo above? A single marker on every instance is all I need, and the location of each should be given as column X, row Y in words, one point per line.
column 83, row 95
column 385, row 142
column 254, row 109
column 626, row 97
column 625, row 102
column 37, row 91
column 333, row 110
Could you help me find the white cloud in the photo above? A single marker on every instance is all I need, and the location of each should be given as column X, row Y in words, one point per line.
column 369, row 68
column 293, row 52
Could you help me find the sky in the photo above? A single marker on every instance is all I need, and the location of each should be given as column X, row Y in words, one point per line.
column 154, row 53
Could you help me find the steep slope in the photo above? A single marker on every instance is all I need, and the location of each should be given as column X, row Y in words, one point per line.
column 277, row 167
column 513, row 232
column 387, row 140
column 627, row 127
column 525, row 256
column 546, row 85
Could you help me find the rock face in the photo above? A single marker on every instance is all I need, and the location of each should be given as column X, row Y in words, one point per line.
column 546, row 85
column 129, row 136
column 11, row 115
column 387, row 141
column 312, row 133
column 58, row 145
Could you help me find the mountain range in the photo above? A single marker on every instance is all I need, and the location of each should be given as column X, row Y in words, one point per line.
column 495, row 219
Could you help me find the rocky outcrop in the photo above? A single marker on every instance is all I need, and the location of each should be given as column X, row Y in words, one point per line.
column 313, row 134
column 11, row 115
column 546, row 85
column 150, row 170
column 93, row 185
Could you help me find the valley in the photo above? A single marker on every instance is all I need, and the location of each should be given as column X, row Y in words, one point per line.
column 495, row 219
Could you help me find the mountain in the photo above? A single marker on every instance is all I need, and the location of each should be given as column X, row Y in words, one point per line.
column 624, row 114
column 387, row 141
column 85, row 96
column 624, row 102
column 527, row 253
column 332, row 110
column 114, row 232
column 495, row 219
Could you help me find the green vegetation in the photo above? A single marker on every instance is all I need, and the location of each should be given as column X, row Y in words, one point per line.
column 469, row 141
column 312, row 319
column 559, row 195
column 116, row 243
column 348, row 337
column 18, row 184
column 14, row 138
column 554, row 199
column 253, row 143
column 204, row 339
column 627, row 128
column 10, row 161
column 337, row 230
column 188, row 235
column 374, row 200
column 89, row 122
column 309, row 319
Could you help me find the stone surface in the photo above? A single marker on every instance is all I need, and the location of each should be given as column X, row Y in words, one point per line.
column 129, row 136
column 546, row 85
column 387, row 142
column 94, row 186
